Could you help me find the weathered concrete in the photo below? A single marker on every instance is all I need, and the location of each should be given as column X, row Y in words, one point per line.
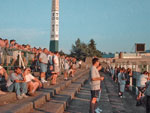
column 63, row 98
column 42, row 96
column 109, row 102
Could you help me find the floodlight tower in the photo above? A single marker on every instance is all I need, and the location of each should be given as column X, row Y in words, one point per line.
column 54, row 42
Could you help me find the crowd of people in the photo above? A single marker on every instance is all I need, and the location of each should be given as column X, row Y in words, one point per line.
column 24, row 60
column 122, row 77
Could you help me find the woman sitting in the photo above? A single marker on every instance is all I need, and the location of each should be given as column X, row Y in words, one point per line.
column 32, row 82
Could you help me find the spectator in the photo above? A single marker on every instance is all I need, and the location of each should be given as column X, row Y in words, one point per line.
column 15, row 54
column 2, row 45
column 7, row 52
column 56, row 63
column 50, row 58
column 95, row 80
column 128, row 75
column 3, row 74
column 62, row 63
column 112, row 72
column 52, row 75
column 141, row 86
column 121, row 82
column 147, row 94
column 43, row 58
column 66, row 68
column 72, row 67
column 17, row 82
column 32, row 82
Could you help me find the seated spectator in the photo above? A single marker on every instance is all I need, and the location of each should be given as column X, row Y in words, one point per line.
column 16, row 82
column 52, row 75
column 72, row 68
column 3, row 74
column 32, row 82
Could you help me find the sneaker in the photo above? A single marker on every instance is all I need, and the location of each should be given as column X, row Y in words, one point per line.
column 100, row 110
column 19, row 97
column 43, row 81
column 24, row 95
column 65, row 79
column 138, row 103
column 121, row 96
column 97, row 111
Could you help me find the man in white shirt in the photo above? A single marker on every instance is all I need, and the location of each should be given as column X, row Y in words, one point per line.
column 95, row 82
column 141, row 86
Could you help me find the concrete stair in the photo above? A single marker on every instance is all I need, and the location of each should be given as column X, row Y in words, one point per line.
column 45, row 95
column 59, row 102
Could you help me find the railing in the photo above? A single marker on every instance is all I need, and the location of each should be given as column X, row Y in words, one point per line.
column 24, row 58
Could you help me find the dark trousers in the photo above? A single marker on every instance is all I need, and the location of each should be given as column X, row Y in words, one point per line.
column 148, row 104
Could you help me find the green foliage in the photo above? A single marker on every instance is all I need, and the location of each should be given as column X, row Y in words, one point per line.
column 61, row 53
column 81, row 50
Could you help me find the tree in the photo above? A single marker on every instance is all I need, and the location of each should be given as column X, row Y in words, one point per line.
column 79, row 50
column 61, row 53
column 82, row 50
column 92, row 49
column 92, row 44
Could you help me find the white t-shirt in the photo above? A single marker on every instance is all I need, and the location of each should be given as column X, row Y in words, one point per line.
column 44, row 58
column 66, row 65
column 143, row 80
column 29, row 77
column 56, row 60
column 95, row 85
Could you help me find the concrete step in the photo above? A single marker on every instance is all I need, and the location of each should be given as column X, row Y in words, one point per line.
column 11, row 97
column 43, row 95
column 7, row 98
column 56, row 108
column 60, row 102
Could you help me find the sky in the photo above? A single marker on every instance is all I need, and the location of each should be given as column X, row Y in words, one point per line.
column 115, row 25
